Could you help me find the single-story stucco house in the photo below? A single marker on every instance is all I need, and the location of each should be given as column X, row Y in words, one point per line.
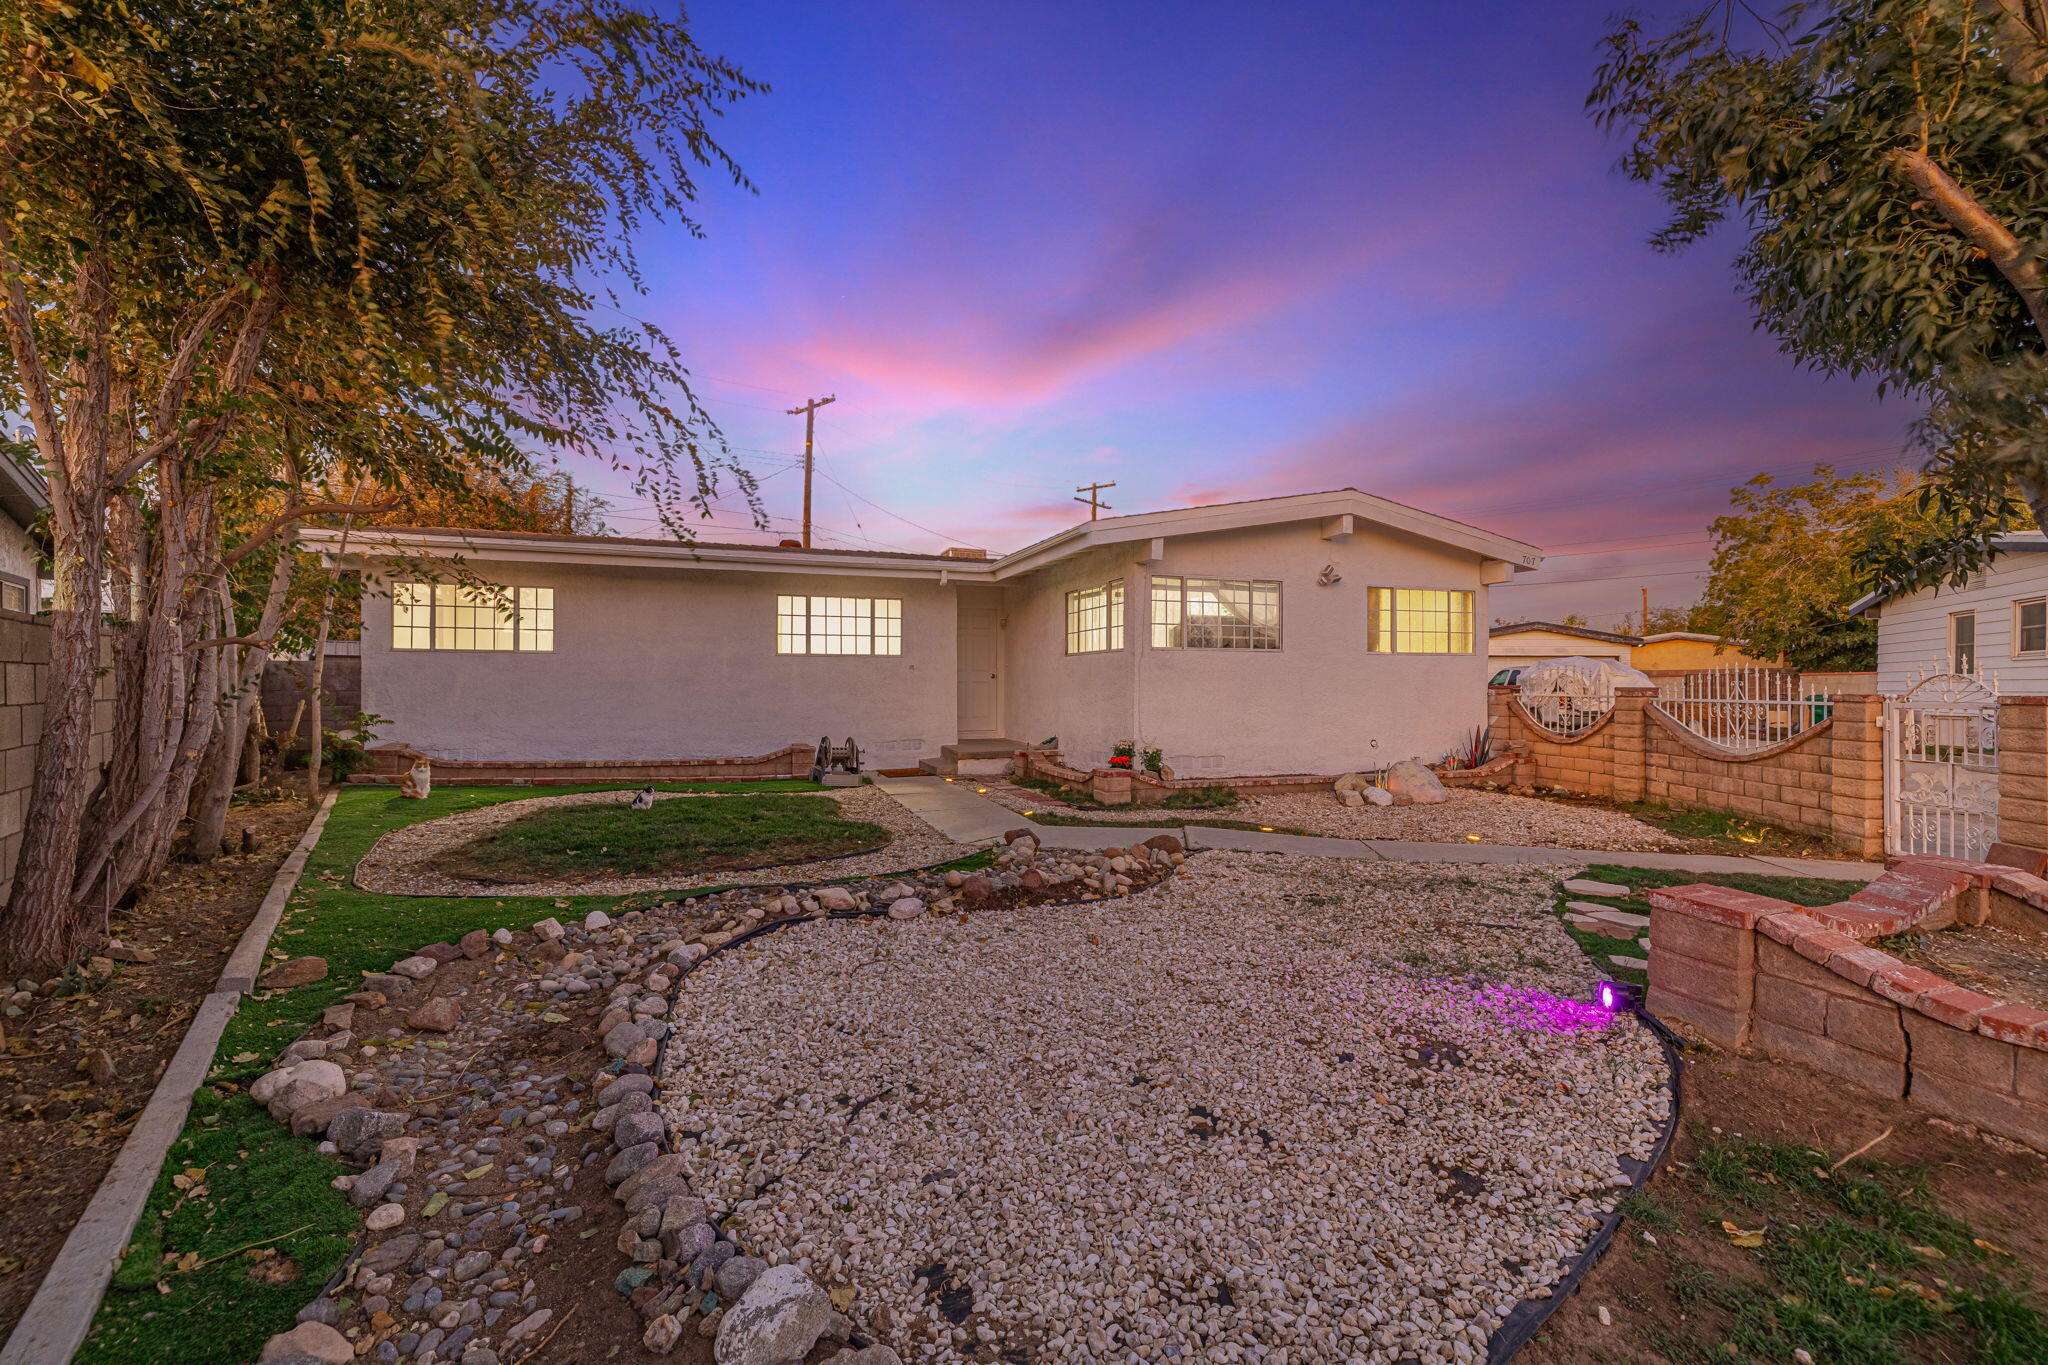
column 1995, row 624
column 1315, row 633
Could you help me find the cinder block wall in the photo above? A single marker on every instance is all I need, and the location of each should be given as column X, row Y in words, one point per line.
column 24, row 670
column 1827, row 781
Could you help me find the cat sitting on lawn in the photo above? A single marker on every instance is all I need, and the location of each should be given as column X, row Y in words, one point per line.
column 643, row 799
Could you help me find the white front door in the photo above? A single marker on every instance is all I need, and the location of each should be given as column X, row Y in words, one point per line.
column 977, row 655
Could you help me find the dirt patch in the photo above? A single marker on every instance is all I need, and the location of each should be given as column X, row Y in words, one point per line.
column 2006, row 964
column 1996, row 1188
column 77, row 1068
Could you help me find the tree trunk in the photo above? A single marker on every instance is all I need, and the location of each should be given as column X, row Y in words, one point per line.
column 318, row 667
column 40, row 928
column 217, row 789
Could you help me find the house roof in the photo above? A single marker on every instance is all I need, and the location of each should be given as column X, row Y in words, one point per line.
column 1581, row 632
column 2016, row 542
column 23, row 494
column 1341, row 512
column 1697, row 637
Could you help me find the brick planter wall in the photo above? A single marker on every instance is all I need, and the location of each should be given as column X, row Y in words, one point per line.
column 1826, row 781
column 1805, row 983
column 1120, row 786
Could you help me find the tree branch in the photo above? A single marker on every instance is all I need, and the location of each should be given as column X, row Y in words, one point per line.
column 1956, row 204
column 269, row 529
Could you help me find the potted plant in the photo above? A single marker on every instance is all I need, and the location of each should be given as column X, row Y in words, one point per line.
column 1123, row 753
column 1154, row 759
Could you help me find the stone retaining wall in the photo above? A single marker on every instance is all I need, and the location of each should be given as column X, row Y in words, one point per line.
column 389, row 763
column 1805, row 983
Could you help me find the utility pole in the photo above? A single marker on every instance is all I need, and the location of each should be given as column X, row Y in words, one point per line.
column 1644, row 624
column 810, row 412
column 1096, row 506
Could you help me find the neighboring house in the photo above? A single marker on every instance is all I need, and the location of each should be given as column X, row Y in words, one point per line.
column 1524, row 642
column 1314, row 633
column 1686, row 651
column 23, row 498
column 1995, row 624
column 1678, row 651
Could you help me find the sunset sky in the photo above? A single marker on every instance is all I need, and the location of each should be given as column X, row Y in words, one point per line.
column 1214, row 251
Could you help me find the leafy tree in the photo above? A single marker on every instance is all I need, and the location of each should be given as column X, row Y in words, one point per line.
column 1788, row 562
column 253, row 248
column 1888, row 161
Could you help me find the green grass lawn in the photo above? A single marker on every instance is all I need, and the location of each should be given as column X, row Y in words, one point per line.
column 1859, row 1267
column 262, row 1188
column 685, row 837
column 1643, row 880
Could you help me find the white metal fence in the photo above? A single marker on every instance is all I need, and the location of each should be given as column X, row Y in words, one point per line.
column 1743, row 710
column 1941, row 766
column 1568, row 703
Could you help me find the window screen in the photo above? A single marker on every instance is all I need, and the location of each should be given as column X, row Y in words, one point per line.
column 1418, row 621
column 838, row 625
column 1095, row 619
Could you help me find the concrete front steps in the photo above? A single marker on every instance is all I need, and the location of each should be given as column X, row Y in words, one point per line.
column 975, row 758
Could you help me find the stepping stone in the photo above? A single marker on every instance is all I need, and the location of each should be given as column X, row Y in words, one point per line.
column 1587, row 924
column 1581, row 886
column 1641, row 964
column 1595, row 910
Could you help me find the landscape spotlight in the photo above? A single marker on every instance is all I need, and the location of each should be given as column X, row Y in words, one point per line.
column 1614, row 996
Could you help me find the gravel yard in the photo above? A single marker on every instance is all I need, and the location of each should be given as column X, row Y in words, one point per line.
column 1277, row 1110
column 1496, row 817
column 396, row 865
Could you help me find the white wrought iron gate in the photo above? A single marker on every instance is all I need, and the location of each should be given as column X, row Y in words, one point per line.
column 1941, row 767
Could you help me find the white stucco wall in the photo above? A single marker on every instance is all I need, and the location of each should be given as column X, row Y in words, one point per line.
column 667, row 663
column 1913, row 631
column 1320, row 703
column 1083, row 699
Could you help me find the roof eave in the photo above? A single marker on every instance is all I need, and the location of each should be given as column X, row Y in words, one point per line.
column 374, row 543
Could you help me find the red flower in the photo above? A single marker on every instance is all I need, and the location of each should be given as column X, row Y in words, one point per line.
column 1120, row 760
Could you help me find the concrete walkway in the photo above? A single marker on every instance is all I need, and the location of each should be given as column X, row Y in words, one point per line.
column 957, row 811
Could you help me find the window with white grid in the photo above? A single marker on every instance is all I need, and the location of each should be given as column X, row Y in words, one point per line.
column 1095, row 618
column 1215, row 613
column 1418, row 621
column 460, row 617
column 838, row 625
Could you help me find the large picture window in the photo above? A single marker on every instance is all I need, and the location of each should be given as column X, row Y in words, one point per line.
column 838, row 625
column 1418, row 621
column 1215, row 613
column 1095, row 618
column 460, row 617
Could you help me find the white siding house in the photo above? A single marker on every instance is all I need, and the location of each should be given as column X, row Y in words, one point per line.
column 1995, row 625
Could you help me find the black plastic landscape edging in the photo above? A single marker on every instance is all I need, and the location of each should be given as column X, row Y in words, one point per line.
column 1529, row 1315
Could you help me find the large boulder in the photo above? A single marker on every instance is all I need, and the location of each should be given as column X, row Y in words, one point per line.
column 779, row 1319
column 296, row 1087
column 1412, row 783
column 315, row 1339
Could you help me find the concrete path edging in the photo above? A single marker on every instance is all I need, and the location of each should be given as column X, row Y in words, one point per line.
column 60, row 1315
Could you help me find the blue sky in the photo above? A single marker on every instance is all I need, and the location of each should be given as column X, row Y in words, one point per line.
column 1212, row 251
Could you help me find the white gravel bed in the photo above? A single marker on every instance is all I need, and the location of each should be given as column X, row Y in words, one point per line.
column 1276, row 1109
column 1496, row 817
column 396, row 865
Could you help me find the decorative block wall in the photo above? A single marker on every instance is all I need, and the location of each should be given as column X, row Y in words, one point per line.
column 1805, row 983
column 1827, row 781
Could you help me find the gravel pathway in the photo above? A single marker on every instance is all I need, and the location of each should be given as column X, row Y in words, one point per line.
column 397, row 864
column 1281, row 1110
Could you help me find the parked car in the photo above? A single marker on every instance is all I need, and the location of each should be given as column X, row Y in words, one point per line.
column 1507, row 677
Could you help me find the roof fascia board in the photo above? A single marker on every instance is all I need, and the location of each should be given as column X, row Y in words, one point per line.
column 370, row 545
column 1319, row 507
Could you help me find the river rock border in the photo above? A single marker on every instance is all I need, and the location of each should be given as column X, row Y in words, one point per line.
column 459, row 1297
